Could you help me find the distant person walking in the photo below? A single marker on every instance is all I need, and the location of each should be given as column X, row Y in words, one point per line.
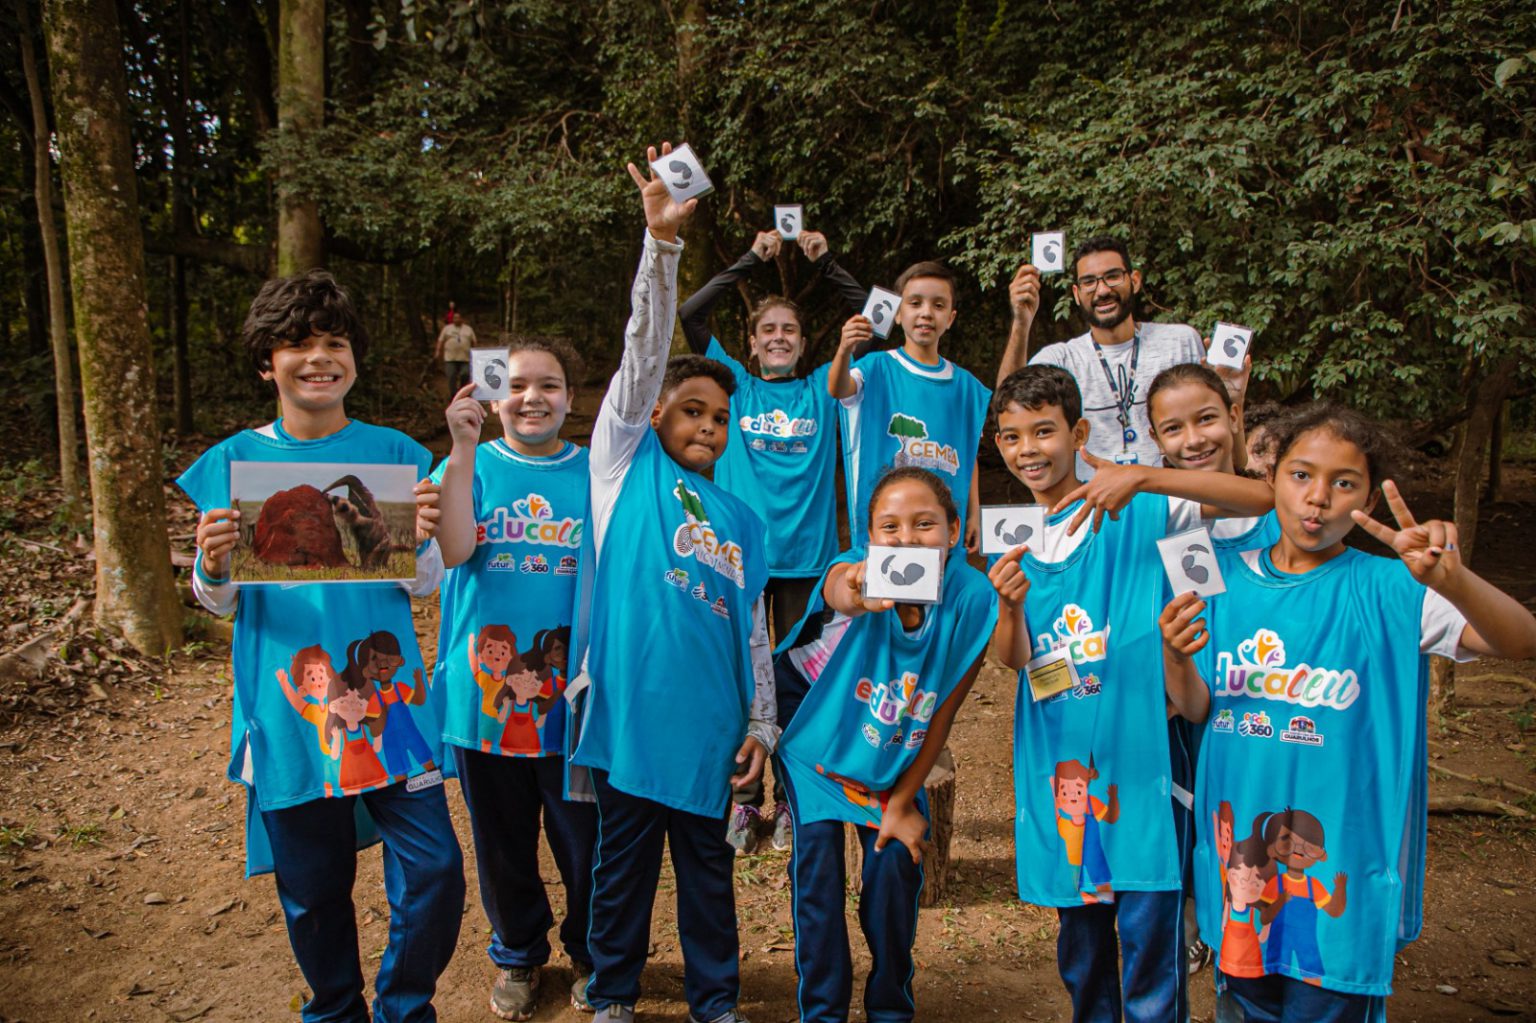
column 453, row 344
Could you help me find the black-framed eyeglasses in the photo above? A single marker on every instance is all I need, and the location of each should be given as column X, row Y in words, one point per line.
column 1113, row 278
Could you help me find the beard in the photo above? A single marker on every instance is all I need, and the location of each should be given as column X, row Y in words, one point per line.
column 1121, row 313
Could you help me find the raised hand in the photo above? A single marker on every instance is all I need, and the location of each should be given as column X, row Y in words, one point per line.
column 766, row 245
column 465, row 416
column 1024, row 292
column 1428, row 549
column 1008, row 578
column 1183, row 629
column 217, row 533
column 813, row 244
column 663, row 215
column 428, row 495
column 857, row 331
column 1110, row 490
column 1235, row 379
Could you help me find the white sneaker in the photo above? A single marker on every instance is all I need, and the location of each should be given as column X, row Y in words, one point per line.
column 742, row 834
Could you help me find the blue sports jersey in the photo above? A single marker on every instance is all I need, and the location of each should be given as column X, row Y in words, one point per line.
column 678, row 575
column 781, row 460
column 1313, row 762
column 503, row 650
column 1092, row 771
column 867, row 711
column 330, row 694
column 1263, row 531
column 910, row 414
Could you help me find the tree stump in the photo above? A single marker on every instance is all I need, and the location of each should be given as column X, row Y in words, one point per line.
column 940, row 788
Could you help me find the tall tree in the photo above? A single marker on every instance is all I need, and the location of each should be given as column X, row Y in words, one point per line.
column 300, row 114
column 58, row 325
column 134, row 588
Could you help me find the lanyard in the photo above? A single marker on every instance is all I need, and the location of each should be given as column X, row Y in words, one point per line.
column 1124, row 400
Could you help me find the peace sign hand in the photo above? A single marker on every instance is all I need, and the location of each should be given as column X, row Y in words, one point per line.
column 1428, row 549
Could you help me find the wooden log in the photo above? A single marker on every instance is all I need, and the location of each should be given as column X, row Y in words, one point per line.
column 940, row 788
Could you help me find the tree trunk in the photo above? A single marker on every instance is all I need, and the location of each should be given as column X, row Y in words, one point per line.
column 58, row 326
column 1494, row 492
column 134, row 588
column 182, row 222
column 300, row 111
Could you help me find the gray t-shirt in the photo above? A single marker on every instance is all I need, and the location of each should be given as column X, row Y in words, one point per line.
column 1162, row 345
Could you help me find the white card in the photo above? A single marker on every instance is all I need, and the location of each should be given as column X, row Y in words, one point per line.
column 488, row 369
column 1229, row 343
column 1048, row 251
column 788, row 220
column 1189, row 558
column 682, row 173
column 1006, row 526
column 880, row 310
column 907, row 575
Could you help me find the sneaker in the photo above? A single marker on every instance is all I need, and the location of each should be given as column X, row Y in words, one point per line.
column 615, row 1014
column 1200, row 956
column 516, row 992
column 729, row 1016
column 783, row 827
column 742, row 834
column 579, row 987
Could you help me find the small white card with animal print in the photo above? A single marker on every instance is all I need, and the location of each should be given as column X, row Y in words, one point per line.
column 880, row 309
column 1048, row 251
column 488, row 370
column 1229, row 343
column 1006, row 526
column 788, row 220
column 1189, row 558
column 907, row 575
column 683, row 174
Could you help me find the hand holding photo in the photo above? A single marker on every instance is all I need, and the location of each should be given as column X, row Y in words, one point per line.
column 488, row 370
column 1048, row 251
column 1006, row 526
column 682, row 173
column 1189, row 558
column 880, row 310
column 323, row 522
column 1229, row 343
column 907, row 575
column 788, row 220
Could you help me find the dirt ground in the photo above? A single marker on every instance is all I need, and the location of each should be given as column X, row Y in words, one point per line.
column 122, row 895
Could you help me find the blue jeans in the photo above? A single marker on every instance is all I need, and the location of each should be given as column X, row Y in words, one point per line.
column 314, row 848
column 1144, row 962
column 1279, row 999
column 505, row 796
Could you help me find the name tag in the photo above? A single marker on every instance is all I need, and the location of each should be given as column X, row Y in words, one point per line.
column 424, row 781
column 1050, row 674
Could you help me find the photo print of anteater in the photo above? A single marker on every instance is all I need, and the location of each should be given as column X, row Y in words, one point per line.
column 323, row 522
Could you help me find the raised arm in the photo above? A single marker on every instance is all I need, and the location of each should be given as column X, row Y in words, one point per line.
column 456, row 526
column 696, row 312
column 814, row 245
column 1024, row 300
column 858, row 334
column 1220, row 494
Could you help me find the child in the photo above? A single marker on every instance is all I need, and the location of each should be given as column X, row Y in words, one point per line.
column 781, row 456
column 858, row 752
column 1095, row 831
column 1313, row 671
column 910, row 406
column 681, row 684
column 317, row 803
column 514, row 511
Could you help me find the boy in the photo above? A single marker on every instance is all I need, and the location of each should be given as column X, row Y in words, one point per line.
column 910, row 406
column 1092, row 764
column 681, row 685
column 304, row 336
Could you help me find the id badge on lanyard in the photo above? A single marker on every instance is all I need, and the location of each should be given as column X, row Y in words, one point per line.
column 1124, row 401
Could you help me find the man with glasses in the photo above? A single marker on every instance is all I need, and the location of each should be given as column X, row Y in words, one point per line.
column 1115, row 361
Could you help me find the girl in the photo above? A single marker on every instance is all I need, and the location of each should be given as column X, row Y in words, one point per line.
column 781, row 456
column 869, row 690
column 354, row 747
column 1313, row 671
column 514, row 510
column 375, row 659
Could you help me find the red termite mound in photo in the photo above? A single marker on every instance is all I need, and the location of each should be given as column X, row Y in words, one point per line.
column 296, row 527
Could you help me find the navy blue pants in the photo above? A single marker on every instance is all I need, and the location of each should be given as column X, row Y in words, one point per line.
column 887, row 915
column 631, row 832
column 506, row 796
column 1279, row 999
column 1142, row 969
column 314, row 850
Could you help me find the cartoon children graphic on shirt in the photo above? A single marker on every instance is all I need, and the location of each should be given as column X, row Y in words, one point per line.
column 354, row 748
column 1294, row 840
column 312, row 674
column 1222, row 827
column 1242, row 931
column 1078, row 816
column 548, row 659
column 372, row 662
column 507, row 718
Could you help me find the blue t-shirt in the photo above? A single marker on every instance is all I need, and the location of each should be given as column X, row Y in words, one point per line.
column 1092, row 770
column 1246, row 534
column 678, row 575
column 503, row 653
column 1317, row 735
column 866, row 715
column 910, row 414
column 330, row 693
column 781, row 460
